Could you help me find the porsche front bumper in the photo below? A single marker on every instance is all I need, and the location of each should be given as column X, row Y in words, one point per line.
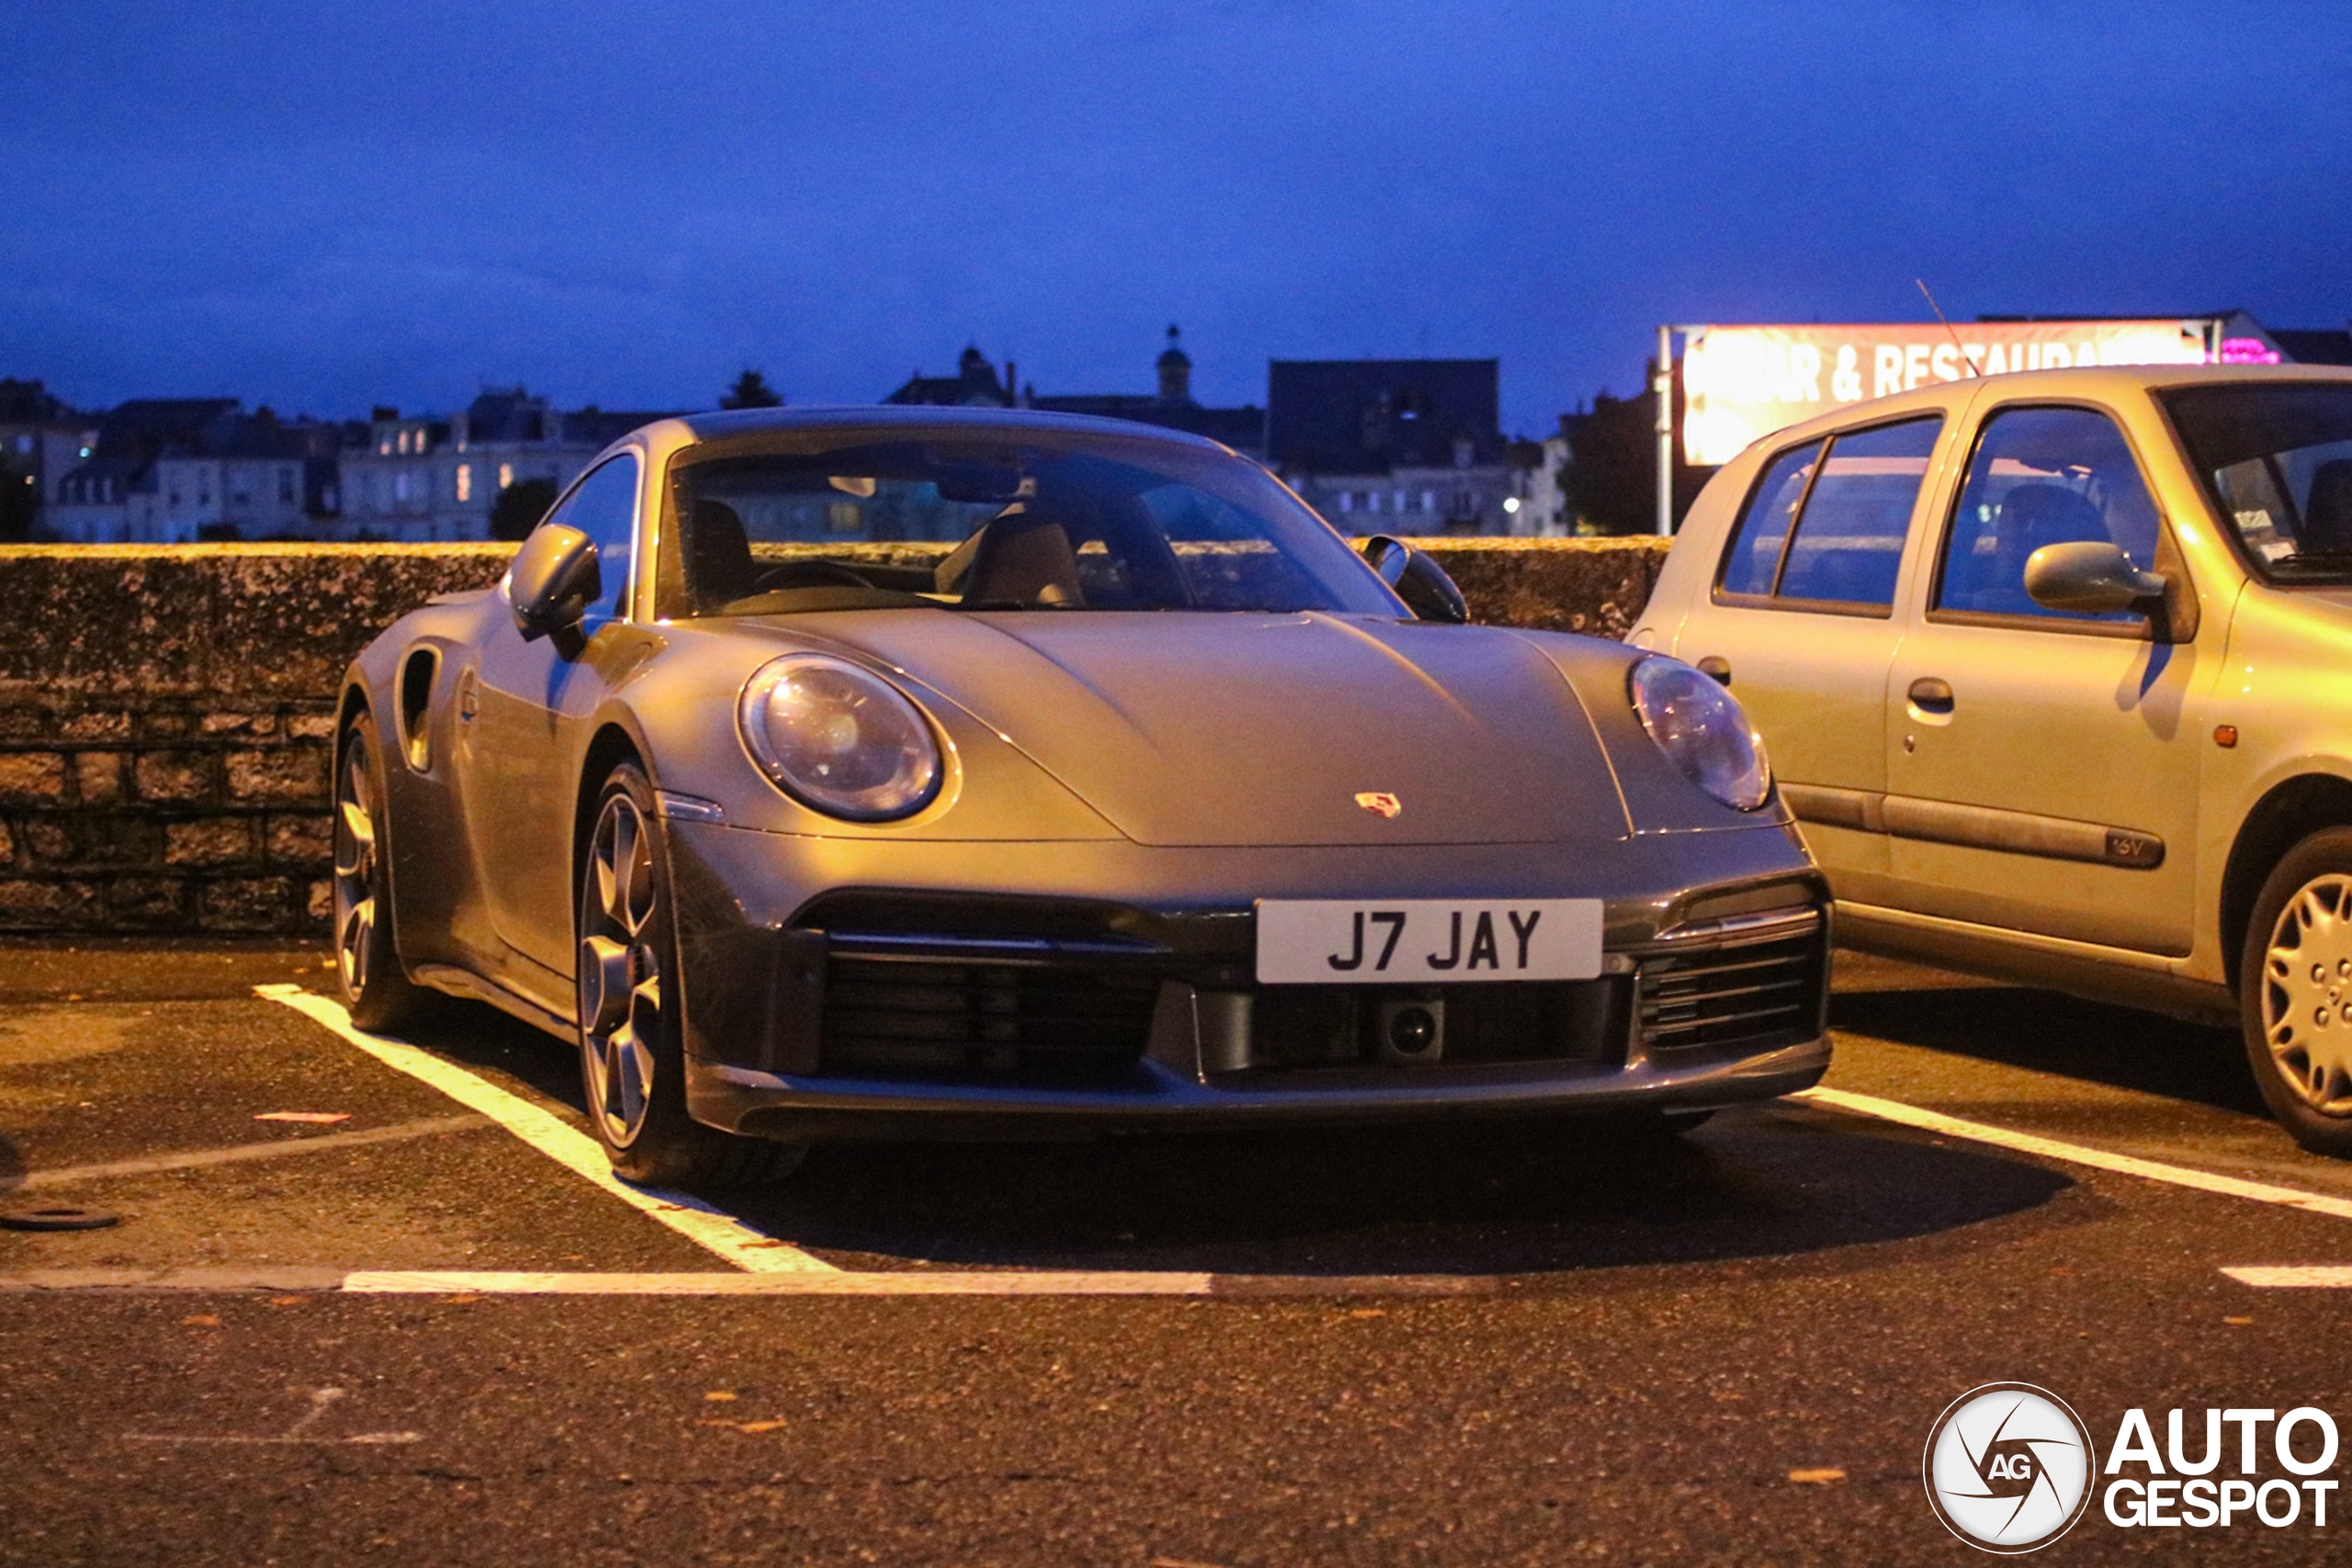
column 1140, row 960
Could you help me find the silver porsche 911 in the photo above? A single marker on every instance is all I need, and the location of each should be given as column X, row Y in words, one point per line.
column 906, row 772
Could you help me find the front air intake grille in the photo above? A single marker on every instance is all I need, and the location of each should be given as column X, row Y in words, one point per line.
column 894, row 1015
column 1752, row 994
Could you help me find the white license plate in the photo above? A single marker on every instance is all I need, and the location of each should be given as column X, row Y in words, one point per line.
column 1426, row 941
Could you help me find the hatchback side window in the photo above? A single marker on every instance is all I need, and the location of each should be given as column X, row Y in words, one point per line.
column 2042, row 476
column 1827, row 522
column 1752, row 563
column 604, row 507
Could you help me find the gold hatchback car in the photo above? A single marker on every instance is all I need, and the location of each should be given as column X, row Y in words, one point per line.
column 2053, row 669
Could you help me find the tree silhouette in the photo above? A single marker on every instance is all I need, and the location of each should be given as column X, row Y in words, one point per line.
column 750, row 390
column 519, row 508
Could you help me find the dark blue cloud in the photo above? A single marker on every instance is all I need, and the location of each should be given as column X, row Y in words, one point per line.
column 324, row 206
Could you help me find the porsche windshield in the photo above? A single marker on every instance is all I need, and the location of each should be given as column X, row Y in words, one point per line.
column 2277, row 459
column 1048, row 523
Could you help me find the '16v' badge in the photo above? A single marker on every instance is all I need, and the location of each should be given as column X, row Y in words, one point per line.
column 1380, row 802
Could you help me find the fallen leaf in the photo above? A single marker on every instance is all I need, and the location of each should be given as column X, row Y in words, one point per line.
column 1368, row 1312
column 287, row 1301
column 200, row 1320
column 1822, row 1477
column 320, row 1117
column 2241, row 1321
column 720, row 1394
column 759, row 1426
column 462, row 1297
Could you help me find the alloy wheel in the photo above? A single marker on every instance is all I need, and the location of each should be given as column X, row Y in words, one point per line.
column 355, row 864
column 2307, row 994
column 620, row 972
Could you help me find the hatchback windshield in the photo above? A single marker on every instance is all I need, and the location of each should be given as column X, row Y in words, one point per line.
column 2277, row 459
column 863, row 519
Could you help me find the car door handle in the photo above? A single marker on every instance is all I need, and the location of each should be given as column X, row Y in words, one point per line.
column 1716, row 665
column 1931, row 696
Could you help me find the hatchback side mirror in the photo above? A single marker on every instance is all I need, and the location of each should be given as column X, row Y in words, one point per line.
column 1427, row 590
column 553, row 581
column 2092, row 578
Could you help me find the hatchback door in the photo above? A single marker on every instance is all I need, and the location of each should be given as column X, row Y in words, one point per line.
column 2043, row 766
column 1800, row 622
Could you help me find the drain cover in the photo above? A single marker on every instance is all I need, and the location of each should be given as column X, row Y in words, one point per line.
column 55, row 1219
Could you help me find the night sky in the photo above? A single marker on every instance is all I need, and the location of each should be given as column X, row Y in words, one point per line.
column 324, row 206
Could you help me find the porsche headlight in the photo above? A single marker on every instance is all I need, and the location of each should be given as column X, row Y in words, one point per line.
column 839, row 737
column 1703, row 731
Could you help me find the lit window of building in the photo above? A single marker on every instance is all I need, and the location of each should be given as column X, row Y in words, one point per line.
column 506, row 476
column 465, row 482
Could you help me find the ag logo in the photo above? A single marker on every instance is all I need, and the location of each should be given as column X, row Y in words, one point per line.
column 2008, row 1467
column 1380, row 802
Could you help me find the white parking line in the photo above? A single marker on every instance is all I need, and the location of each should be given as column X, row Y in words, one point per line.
column 473, row 1282
column 327, row 1143
column 2329, row 1277
column 2075, row 1153
column 839, row 1282
column 691, row 1217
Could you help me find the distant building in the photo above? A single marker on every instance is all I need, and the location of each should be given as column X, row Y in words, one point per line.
column 974, row 385
column 41, row 440
column 1543, row 504
column 427, row 477
column 1396, row 445
column 977, row 385
column 170, row 470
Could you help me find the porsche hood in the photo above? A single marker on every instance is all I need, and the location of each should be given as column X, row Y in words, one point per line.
column 1265, row 729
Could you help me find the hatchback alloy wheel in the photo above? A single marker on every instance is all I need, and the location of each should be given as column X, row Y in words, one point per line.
column 2307, row 994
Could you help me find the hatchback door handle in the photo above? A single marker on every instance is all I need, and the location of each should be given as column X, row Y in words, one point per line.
column 1716, row 665
column 1931, row 696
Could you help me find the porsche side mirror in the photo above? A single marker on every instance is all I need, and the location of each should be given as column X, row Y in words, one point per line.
column 2092, row 578
column 553, row 581
column 1427, row 590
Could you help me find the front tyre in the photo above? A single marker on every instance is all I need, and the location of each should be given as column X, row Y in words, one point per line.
column 2294, row 990
column 632, row 1060
column 375, row 988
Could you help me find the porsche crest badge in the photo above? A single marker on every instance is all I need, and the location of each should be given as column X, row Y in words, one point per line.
column 1380, row 802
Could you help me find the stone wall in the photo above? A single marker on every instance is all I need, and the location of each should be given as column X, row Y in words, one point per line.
column 166, row 712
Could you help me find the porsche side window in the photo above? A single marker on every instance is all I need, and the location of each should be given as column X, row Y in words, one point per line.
column 1752, row 561
column 604, row 508
column 2041, row 476
column 1827, row 522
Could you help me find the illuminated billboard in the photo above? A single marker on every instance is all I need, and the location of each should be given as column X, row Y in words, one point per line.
column 1740, row 383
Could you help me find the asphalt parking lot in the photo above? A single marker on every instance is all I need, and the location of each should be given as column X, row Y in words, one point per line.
column 399, row 1336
